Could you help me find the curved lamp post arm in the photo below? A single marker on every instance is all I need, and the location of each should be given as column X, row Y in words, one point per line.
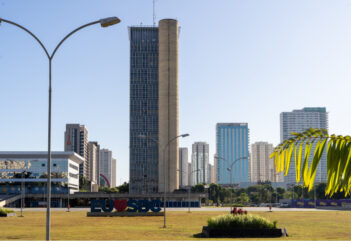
column 183, row 135
column 32, row 34
column 147, row 137
column 241, row 158
column 68, row 35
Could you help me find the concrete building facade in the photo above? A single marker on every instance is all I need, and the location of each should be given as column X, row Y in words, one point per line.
column 93, row 159
column 76, row 139
column 213, row 174
column 190, row 174
column 114, row 172
column 154, row 108
column 299, row 121
column 200, row 163
column 262, row 167
column 210, row 175
column 168, row 105
column 232, row 141
column 183, row 167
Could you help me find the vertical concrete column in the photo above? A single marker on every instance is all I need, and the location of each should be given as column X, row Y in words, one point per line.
column 168, row 104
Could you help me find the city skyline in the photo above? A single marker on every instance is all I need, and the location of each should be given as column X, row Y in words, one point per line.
column 289, row 35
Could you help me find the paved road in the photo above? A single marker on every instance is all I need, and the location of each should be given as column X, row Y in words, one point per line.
column 215, row 209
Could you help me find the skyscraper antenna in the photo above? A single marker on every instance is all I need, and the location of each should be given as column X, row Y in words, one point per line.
column 153, row 12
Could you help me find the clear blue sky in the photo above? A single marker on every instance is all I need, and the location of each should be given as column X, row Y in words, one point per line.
column 239, row 61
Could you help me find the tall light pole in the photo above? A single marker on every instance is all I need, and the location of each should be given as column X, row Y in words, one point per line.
column 22, row 193
column 190, row 188
column 164, row 169
column 68, row 205
column 231, row 179
column 105, row 22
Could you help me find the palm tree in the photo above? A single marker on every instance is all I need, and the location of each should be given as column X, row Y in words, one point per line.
column 338, row 158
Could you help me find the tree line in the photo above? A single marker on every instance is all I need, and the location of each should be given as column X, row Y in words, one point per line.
column 262, row 193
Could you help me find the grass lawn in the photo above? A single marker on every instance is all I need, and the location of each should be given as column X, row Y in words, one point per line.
column 181, row 225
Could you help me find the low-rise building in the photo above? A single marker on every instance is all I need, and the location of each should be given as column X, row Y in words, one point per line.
column 29, row 169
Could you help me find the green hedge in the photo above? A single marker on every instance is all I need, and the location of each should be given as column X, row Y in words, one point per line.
column 230, row 221
column 5, row 211
column 240, row 205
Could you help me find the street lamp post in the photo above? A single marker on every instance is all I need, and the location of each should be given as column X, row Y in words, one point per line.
column 231, row 179
column 22, row 193
column 164, row 169
column 104, row 23
column 189, row 189
column 68, row 205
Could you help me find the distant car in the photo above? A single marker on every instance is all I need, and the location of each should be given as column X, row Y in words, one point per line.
column 284, row 205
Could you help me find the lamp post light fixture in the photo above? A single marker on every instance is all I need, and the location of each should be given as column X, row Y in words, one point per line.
column 105, row 22
column 231, row 179
column 164, row 169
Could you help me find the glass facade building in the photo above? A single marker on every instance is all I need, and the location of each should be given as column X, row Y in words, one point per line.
column 143, row 109
column 232, row 141
column 30, row 168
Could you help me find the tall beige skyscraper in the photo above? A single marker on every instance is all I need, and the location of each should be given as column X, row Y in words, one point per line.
column 113, row 172
column 183, row 167
column 168, row 105
column 262, row 167
column 93, row 159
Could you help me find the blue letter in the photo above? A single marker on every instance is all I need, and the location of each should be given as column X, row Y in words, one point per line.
column 143, row 206
column 109, row 208
column 156, row 206
column 133, row 205
column 94, row 204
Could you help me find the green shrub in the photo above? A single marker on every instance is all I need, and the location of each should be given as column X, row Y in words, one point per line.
column 4, row 211
column 229, row 221
column 240, row 205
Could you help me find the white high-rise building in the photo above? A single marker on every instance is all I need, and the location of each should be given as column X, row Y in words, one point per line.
column 107, row 168
column 199, row 162
column 183, row 166
column 300, row 121
column 262, row 167
column 190, row 174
